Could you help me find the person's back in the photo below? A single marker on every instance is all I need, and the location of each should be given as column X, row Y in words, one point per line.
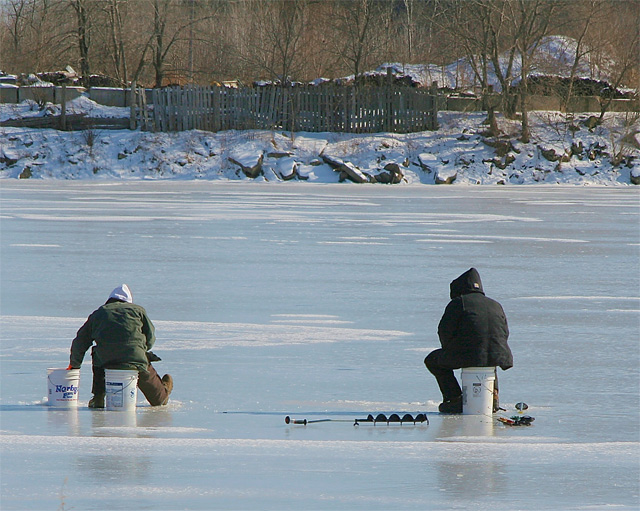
column 473, row 332
column 473, row 329
column 123, row 336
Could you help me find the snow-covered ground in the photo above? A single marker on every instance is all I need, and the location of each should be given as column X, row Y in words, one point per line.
column 321, row 302
column 561, row 151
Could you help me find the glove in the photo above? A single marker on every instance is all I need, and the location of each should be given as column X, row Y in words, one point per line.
column 152, row 357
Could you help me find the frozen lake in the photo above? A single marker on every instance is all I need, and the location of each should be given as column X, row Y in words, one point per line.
column 321, row 301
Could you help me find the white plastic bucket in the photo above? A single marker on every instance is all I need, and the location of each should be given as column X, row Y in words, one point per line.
column 63, row 387
column 121, row 386
column 477, row 390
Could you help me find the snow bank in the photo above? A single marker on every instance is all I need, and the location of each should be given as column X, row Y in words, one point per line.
column 562, row 151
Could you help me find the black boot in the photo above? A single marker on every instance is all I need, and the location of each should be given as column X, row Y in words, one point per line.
column 451, row 406
column 97, row 401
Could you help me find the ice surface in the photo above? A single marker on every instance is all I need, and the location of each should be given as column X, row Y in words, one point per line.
column 321, row 302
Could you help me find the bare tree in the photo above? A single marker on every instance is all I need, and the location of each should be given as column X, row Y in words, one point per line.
column 170, row 26
column 472, row 22
column 481, row 29
column 274, row 47
column 27, row 34
column 360, row 29
column 620, row 48
column 82, row 10
column 583, row 16
column 410, row 27
column 530, row 22
column 494, row 35
column 215, row 51
column 113, row 9
column 248, row 39
column 16, row 20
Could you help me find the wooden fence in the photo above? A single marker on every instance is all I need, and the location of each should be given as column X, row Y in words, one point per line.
column 314, row 109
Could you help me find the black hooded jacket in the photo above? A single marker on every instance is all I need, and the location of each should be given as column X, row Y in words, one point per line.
column 473, row 330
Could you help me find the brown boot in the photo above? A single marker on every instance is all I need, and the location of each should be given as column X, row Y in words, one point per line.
column 167, row 381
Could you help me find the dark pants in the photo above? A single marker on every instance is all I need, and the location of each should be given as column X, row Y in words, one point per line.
column 438, row 365
column 149, row 383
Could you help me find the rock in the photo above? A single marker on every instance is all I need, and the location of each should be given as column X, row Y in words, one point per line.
column 446, row 177
column 121, row 156
column 427, row 162
column 392, row 174
column 596, row 151
column 279, row 154
column 393, row 168
column 354, row 173
column 253, row 171
column 26, row 173
column 347, row 170
column 501, row 163
column 382, row 177
column 549, row 154
column 577, row 149
column 635, row 176
column 7, row 161
column 502, row 147
column 287, row 168
column 334, row 163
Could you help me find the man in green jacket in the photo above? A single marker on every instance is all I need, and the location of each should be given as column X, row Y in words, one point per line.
column 123, row 335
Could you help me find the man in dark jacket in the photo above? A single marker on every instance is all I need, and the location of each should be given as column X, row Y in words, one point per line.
column 473, row 332
column 123, row 335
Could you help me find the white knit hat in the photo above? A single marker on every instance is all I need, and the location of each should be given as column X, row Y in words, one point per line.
column 122, row 293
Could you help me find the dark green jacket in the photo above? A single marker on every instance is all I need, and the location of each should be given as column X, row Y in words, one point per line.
column 123, row 334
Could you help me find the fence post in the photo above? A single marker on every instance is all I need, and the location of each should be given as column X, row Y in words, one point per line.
column 434, row 106
column 63, row 108
column 132, row 106
column 156, row 110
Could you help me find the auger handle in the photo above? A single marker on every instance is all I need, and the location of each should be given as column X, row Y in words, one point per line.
column 289, row 420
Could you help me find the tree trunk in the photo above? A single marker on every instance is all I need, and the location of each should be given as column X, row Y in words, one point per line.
column 82, row 19
column 159, row 23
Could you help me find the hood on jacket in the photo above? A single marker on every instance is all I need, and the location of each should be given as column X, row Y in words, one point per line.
column 122, row 293
column 468, row 282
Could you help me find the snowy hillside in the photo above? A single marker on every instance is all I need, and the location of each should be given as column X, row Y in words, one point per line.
column 560, row 152
column 554, row 57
